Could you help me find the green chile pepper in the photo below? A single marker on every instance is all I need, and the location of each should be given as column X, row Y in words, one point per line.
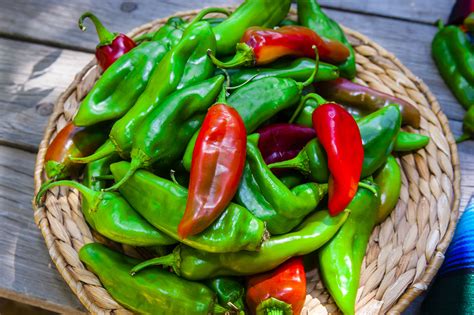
column 468, row 125
column 264, row 13
column 230, row 292
column 311, row 16
column 111, row 215
column 184, row 109
column 379, row 132
column 236, row 229
column 151, row 292
column 192, row 264
column 304, row 113
column 299, row 70
column 123, row 82
column 388, row 179
column 407, row 141
column 263, row 194
column 291, row 179
column 341, row 258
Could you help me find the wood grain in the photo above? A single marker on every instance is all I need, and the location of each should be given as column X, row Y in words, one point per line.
column 27, row 273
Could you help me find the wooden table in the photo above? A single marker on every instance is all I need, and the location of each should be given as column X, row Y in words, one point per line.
column 41, row 49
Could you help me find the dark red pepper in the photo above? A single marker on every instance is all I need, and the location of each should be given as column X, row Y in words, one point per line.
column 338, row 133
column 260, row 46
column 216, row 168
column 460, row 11
column 364, row 98
column 278, row 292
column 111, row 45
column 72, row 141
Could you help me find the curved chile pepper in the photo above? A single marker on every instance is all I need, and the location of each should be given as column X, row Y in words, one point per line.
column 266, row 13
column 340, row 137
column 230, row 292
column 341, row 258
column 355, row 95
column 119, row 87
column 298, row 70
column 261, row 46
column 281, row 291
column 389, row 181
column 407, row 141
column 110, row 215
column 70, row 142
column 236, row 229
column 216, row 169
column 152, row 292
column 268, row 198
column 111, row 45
column 311, row 16
column 192, row 264
column 185, row 109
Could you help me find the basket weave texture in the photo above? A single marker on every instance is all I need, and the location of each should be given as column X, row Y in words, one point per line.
column 404, row 252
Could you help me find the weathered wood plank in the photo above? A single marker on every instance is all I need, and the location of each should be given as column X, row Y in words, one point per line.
column 27, row 273
column 29, row 86
column 427, row 11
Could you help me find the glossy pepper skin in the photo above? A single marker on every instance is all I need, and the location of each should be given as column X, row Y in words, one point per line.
column 454, row 56
column 72, row 141
column 341, row 258
column 311, row 16
column 236, row 229
column 379, row 132
column 315, row 231
column 280, row 291
column 407, row 141
column 124, row 81
column 361, row 97
column 388, row 179
column 111, row 45
column 265, row 13
column 151, row 292
column 338, row 133
column 230, row 292
column 261, row 46
column 216, row 169
column 298, row 70
column 183, row 109
column 263, row 194
column 110, row 215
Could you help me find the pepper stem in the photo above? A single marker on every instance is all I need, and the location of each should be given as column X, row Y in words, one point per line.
column 369, row 187
column 244, row 56
column 244, row 83
column 105, row 36
column 303, row 101
column 462, row 138
column 171, row 260
column 135, row 164
column 273, row 306
column 295, row 163
column 105, row 150
column 316, row 68
column 88, row 193
column 206, row 11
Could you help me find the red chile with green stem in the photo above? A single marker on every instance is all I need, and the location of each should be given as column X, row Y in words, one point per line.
column 315, row 231
column 236, row 229
column 151, row 292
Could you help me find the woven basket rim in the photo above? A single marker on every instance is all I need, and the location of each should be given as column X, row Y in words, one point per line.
column 403, row 301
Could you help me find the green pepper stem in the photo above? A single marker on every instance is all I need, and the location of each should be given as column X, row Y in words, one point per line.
column 440, row 24
column 273, row 306
column 88, row 193
column 169, row 260
column 206, row 11
column 135, row 164
column 463, row 138
column 105, row 36
column 244, row 56
column 303, row 101
column 316, row 68
column 144, row 37
column 369, row 187
column 244, row 83
column 105, row 150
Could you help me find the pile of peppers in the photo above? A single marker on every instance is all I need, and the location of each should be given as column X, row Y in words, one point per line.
column 229, row 178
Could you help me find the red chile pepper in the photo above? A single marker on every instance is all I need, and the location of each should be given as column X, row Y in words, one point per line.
column 260, row 46
column 281, row 142
column 361, row 97
column 111, row 45
column 339, row 135
column 278, row 292
column 72, row 141
column 216, row 168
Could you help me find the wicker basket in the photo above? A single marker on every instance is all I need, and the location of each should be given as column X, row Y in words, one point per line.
column 404, row 252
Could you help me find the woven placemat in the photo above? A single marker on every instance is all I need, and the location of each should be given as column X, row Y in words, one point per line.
column 404, row 252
